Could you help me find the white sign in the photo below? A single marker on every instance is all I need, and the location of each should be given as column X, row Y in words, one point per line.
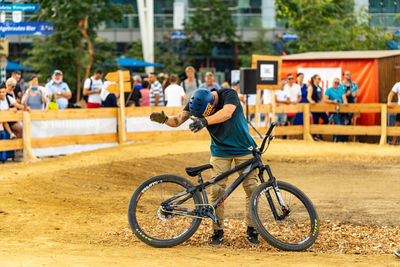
column 179, row 15
column 17, row 16
column 267, row 72
column 327, row 75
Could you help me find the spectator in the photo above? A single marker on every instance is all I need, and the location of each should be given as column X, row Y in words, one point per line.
column 59, row 89
column 23, row 85
column 293, row 90
column 281, row 97
column 236, row 86
column 145, row 100
column 92, row 89
column 314, row 95
column 156, row 92
column 225, row 85
column 395, row 90
column 174, row 93
column 35, row 96
column 303, row 87
column 5, row 102
column 108, row 100
column 336, row 95
column 11, row 103
column 352, row 93
column 190, row 84
column 209, row 82
column 134, row 96
column 16, row 74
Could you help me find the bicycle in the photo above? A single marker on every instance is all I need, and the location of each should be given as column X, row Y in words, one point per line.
column 166, row 210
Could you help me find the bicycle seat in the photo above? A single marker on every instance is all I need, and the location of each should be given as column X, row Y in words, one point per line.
column 193, row 171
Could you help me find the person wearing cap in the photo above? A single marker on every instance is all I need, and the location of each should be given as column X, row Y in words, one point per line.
column 209, row 82
column 222, row 114
column 236, row 86
column 59, row 89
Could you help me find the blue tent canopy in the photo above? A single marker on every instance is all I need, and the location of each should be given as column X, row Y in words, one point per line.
column 15, row 66
column 135, row 63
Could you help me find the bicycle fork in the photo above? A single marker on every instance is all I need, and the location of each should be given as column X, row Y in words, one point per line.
column 278, row 195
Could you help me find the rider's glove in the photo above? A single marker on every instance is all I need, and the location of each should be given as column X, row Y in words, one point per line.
column 159, row 117
column 198, row 124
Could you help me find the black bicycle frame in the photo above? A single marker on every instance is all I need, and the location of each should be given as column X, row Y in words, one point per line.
column 249, row 166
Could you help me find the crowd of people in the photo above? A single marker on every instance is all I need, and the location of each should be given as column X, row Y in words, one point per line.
column 167, row 90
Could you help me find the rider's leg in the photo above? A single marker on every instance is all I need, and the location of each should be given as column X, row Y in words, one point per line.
column 249, row 185
column 220, row 165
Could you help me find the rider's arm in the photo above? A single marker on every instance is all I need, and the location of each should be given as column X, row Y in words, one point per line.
column 222, row 115
column 390, row 98
column 175, row 121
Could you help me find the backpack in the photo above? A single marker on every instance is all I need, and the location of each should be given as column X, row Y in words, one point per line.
column 86, row 97
column 8, row 100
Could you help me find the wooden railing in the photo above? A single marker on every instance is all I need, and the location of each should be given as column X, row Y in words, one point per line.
column 306, row 130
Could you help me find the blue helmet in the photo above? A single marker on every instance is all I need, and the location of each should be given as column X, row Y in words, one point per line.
column 201, row 103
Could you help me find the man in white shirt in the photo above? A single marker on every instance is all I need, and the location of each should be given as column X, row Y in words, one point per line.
column 92, row 89
column 174, row 94
column 294, row 92
column 395, row 90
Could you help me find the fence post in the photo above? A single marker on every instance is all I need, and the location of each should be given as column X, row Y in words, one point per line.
column 306, row 123
column 121, row 111
column 29, row 155
column 383, row 124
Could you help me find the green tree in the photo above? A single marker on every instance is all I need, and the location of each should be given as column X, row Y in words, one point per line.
column 64, row 48
column 167, row 54
column 329, row 25
column 211, row 23
column 135, row 51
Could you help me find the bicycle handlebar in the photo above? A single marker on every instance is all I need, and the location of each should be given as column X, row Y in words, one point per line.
column 267, row 135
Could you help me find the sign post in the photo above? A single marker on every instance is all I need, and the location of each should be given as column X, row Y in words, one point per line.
column 269, row 69
column 123, row 78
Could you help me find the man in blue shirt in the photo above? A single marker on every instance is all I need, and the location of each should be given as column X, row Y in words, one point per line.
column 58, row 88
column 336, row 95
column 209, row 82
column 221, row 112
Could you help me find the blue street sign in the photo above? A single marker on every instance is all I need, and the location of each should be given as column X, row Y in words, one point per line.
column 178, row 35
column 19, row 7
column 289, row 36
column 26, row 28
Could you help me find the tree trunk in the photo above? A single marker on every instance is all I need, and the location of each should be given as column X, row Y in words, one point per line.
column 78, row 73
column 82, row 27
column 208, row 59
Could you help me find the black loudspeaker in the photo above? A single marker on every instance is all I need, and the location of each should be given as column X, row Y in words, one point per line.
column 248, row 81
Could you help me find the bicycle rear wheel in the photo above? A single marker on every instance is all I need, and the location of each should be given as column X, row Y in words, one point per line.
column 296, row 230
column 164, row 225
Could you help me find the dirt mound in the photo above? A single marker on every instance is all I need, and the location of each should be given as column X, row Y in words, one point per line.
column 64, row 210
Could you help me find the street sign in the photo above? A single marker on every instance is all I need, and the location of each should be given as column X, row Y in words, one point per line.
column 115, row 87
column 26, row 28
column 114, row 76
column 19, row 7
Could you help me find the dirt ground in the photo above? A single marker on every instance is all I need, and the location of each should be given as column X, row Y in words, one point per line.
column 71, row 210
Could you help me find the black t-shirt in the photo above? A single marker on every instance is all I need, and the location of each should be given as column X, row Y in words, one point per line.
column 230, row 138
column 350, row 98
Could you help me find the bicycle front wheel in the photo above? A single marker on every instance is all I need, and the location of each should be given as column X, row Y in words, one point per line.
column 164, row 225
column 293, row 229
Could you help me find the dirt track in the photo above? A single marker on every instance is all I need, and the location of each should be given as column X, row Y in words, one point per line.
column 72, row 210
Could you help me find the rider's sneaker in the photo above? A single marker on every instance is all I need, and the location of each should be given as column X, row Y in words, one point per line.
column 397, row 253
column 217, row 238
column 252, row 236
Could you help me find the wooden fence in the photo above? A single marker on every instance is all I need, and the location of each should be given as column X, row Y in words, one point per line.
column 121, row 136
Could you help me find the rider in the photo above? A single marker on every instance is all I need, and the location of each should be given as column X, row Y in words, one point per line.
column 221, row 112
